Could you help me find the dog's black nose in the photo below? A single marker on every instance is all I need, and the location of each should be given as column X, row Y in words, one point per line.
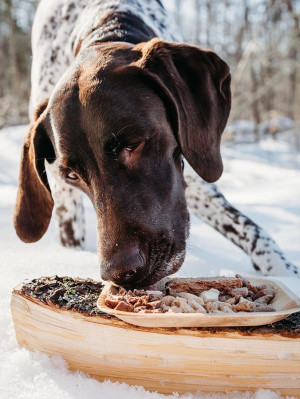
column 124, row 267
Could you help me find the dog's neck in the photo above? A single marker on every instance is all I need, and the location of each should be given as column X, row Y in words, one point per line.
column 117, row 27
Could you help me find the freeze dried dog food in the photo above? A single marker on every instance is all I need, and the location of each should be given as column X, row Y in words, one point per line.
column 221, row 296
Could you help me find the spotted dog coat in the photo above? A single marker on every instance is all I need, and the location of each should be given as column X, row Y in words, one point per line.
column 208, row 203
column 63, row 28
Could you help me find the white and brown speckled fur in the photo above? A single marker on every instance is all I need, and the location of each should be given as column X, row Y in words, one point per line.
column 59, row 27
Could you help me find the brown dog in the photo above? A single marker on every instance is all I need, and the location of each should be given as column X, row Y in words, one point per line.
column 116, row 125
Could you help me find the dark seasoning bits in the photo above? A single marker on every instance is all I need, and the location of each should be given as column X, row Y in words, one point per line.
column 65, row 292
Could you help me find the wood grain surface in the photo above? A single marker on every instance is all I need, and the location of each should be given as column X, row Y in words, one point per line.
column 163, row 359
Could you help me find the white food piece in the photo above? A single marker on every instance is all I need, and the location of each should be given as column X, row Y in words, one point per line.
column 200, row 309
column 211, row 295
column 196, row 306
column 183, row 305
column 168, row 300
column 189, row 297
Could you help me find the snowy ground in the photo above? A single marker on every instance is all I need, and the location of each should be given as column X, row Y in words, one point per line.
column 261, row 180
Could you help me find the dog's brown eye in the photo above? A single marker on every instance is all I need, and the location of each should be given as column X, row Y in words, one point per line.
column 131, row 153
column 72, row 176
column 132, row 147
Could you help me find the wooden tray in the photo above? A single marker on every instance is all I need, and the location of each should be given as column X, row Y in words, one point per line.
column 285, row 303
column 165, row 360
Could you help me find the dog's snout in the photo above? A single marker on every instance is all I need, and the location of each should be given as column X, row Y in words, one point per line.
column 124, row 267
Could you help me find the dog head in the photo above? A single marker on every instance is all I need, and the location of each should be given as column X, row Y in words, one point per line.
column 117, row 126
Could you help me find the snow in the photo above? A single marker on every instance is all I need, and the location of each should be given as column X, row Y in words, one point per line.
column 262, row 180
column 242, row 131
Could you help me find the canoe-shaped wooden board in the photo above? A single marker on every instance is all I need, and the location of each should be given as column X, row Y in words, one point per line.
column 164, row 360
column 285, row 302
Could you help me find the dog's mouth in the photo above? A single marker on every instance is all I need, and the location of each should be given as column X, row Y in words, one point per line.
column 160, row 268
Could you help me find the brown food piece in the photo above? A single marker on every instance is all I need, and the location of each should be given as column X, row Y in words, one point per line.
column 197, row 285
column 139, row 292
column 154, row 305
column 125, row 307
column 133, row 300
column 246, row 283
column 142, row 301
column 244, row 306
column 112, row 301
column 239, row 292
column 139, row 308
column 244, row 280
column 264, row 299
column 264, row 291
column 251, row 294
column 224, row 298
column 231, row 301
column 122, row 291
column 155, row 295
column 264, row 308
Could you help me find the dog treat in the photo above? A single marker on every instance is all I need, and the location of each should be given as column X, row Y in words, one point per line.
column 240, row 292
column 125, row 306
column 211, row 295
column 225, row 307
column 244, row 305
column 230, row 296
column 230, row 301
column 197, row 285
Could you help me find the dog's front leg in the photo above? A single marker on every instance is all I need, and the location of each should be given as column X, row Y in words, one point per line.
column 209, row 204
column 68, row 209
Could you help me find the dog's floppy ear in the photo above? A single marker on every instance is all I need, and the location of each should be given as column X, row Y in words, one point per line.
column 34, row 202
column 197, row 84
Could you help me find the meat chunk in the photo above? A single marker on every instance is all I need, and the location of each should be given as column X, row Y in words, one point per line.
column 264, row 299
column 264, row 308
column 239, row 292
column 198, row 285
column 244, row 306
column 125, row 307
